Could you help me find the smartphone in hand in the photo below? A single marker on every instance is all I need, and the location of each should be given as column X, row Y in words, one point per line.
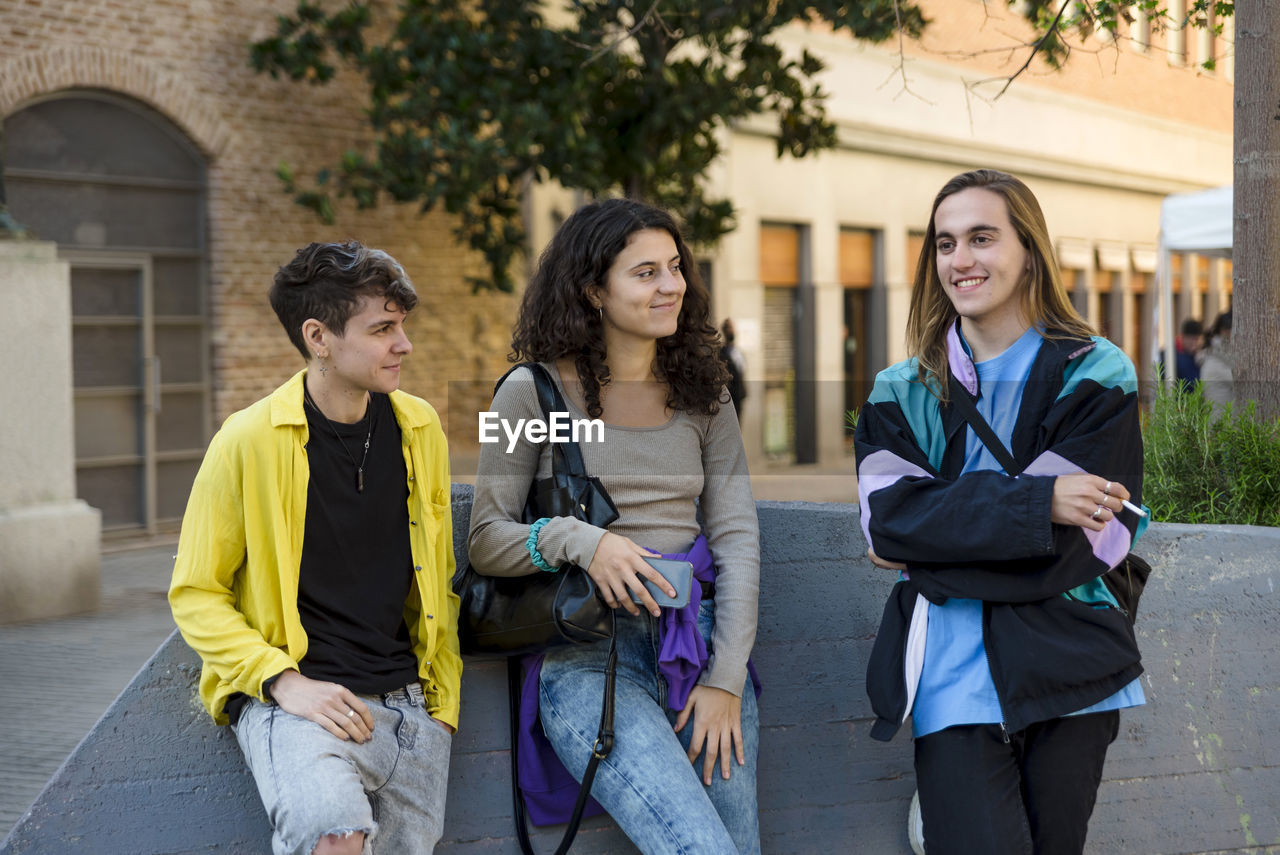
column 678, row 573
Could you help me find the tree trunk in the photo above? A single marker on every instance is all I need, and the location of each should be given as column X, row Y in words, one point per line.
column 1256, row 306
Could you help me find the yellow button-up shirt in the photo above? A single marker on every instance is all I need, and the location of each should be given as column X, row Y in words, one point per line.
column 234, row 592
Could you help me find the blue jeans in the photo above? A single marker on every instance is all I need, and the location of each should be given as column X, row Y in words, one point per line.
column 647, row 784
column 391, row 788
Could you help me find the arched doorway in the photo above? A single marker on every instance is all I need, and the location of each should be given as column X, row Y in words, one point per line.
column 122, row 192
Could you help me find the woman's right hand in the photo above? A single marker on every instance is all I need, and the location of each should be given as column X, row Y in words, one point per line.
column 617, row 569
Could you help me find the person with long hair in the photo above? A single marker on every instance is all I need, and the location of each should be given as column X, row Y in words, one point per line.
column 618, row 316
column 1000, row 638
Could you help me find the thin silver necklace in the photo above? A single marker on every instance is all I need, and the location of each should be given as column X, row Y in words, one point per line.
column 306, row 395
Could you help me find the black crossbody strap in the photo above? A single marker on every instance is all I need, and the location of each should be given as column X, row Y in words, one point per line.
column 599, row 750
column 960, row 398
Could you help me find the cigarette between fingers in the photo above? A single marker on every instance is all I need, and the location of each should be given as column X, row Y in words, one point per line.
column 1131, row 506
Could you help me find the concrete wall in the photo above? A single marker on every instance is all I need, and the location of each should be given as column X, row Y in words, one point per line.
column 1195, row 771
column 49, row 539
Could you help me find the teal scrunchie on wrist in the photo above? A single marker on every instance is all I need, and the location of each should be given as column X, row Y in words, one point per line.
column 531, row 544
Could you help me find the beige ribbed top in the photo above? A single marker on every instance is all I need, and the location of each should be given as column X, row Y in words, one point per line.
column 656, row 476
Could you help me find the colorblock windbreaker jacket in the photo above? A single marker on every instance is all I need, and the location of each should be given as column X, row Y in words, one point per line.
column 234, row 592
column 1055, row 643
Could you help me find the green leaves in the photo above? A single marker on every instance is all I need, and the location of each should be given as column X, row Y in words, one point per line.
column 470, row 102
column 1053, row 19
column 1204, row 469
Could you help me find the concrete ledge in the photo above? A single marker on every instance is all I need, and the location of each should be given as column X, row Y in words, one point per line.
column 1195, row 771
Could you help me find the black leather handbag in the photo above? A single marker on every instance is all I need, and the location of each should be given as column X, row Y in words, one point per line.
column 514, row 615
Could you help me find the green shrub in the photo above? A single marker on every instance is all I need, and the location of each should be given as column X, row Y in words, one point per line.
column 1202, row 469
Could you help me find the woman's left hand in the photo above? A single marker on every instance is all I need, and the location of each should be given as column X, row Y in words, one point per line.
column 717, row 722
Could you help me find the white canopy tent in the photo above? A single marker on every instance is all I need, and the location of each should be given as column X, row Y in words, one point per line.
column 1189, row 222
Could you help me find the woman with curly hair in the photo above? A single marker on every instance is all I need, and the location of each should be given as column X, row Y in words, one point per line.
column 618, row 316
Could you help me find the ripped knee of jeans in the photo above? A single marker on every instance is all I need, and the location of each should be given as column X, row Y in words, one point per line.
column 339, row 840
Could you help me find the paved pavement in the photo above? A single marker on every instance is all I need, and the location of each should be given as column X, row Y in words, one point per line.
column 60, row 675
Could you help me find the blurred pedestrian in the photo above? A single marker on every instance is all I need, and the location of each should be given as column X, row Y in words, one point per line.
column 1190, row 340
column 1217, row 365
column 737, row 366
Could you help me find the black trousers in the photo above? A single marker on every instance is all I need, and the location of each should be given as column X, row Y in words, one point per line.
column 1032, row 795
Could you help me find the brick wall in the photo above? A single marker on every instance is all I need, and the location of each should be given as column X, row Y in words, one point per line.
column 188, row 59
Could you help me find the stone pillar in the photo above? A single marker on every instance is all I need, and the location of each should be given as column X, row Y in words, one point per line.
column 49, row 539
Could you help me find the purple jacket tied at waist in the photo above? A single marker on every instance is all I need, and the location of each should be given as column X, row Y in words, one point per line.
column 549, row 790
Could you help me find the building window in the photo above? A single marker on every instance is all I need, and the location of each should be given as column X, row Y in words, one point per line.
column 1206, row 42
column 858, row 251
column 1176, row 33
column 1141, row 323
column 1077, row 293
column 915, row 243
column 780, row 276
column 1108, row 310
column 1140, row 32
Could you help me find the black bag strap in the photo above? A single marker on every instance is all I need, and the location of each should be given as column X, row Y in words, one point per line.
column 599, row 750
column 565, row 456
column 963, row 403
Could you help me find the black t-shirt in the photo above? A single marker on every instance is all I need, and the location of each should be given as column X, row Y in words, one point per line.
column 356, row 562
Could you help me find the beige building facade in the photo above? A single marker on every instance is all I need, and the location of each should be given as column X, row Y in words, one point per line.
column 817, row 276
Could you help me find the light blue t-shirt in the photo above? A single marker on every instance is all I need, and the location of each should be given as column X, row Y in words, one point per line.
column 955, row 685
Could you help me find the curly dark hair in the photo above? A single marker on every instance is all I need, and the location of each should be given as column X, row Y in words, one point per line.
column 325, row 281
column 557, row 320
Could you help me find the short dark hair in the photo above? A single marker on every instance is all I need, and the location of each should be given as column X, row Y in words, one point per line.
column 1192, row 327
column 325, row 281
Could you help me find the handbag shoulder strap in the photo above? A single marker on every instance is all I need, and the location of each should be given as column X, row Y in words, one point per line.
column 565, row 456
column 960, row 398
column 600, row 750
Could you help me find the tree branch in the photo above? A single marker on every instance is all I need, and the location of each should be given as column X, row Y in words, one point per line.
column 1035, row 49
column 644, row 19
column 901, row 68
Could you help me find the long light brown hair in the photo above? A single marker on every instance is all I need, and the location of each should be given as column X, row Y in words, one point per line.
column 1045, row 303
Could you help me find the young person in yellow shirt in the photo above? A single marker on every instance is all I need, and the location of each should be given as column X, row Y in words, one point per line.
column 314, row 567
